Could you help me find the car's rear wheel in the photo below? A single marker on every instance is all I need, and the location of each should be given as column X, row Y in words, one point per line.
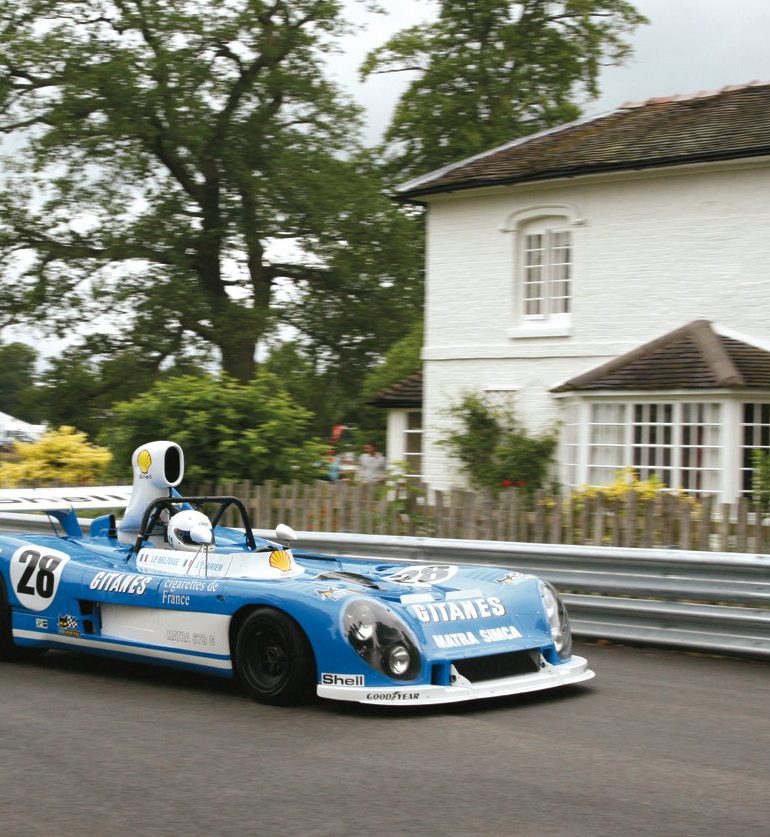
column 274, row 659
column 9, row 651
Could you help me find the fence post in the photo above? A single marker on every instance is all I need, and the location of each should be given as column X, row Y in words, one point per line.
column 759, row 529
column 556, row 520
column 629, row 529
column 539, row 516
column 704, row 524
column 685, row 513
column 599, row 521
column 438, row 513
column 356, row 496
column 724, row 528
column 741, row 526
column 513, row 515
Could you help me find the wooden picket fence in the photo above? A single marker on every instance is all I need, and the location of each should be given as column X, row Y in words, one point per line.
column 668, row 521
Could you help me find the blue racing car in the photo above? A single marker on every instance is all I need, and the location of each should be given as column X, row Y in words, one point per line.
column 168, row 584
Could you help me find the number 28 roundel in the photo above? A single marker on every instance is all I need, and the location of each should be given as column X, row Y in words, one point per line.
column 35, row 574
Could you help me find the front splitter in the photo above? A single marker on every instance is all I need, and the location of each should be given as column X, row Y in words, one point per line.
column 575, row 670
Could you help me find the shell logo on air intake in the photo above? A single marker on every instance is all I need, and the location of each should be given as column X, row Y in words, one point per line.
column 144, row 461
column 280, row 560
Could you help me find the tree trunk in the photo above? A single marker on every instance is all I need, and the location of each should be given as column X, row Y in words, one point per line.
column 238, row 352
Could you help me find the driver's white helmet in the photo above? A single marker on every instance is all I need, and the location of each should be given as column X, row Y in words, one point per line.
column 190, row 530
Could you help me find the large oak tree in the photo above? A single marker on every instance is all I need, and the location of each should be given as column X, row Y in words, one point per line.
column 160, row 152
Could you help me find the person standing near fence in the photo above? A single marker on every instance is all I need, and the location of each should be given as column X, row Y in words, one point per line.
column 372, row 465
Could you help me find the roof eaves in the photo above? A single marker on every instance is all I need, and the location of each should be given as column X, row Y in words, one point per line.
column 596, row 374
column 594, row 168
column 413, row 184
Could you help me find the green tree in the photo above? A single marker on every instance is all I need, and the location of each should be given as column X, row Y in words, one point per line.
column 18, row 395
column 228, row 430
column 489, row 71
column 80, row 386
column 495, row 450
column 402, row 359
column 164, row 150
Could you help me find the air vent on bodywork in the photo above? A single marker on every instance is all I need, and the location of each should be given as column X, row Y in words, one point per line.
column 172, row 465
column 496, row 666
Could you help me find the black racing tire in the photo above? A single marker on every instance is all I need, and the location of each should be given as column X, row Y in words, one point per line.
column 8, row 651
column 274, row 660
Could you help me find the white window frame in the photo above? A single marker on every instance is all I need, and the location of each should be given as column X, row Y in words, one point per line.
column 759, row 430
column 548, row 219
column 501, row 399
column 547, row 267
column 588, row 454
column 413, row 432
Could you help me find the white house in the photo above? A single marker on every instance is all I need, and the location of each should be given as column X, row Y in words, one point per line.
column 610, row 279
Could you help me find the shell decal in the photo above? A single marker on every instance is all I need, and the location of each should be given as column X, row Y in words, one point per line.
column 144, row 460
column 280, row 559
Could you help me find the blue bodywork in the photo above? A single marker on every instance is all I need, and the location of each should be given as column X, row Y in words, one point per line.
column 92, row 593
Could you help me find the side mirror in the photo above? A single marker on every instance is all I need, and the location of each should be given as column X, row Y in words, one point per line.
column 284, row 533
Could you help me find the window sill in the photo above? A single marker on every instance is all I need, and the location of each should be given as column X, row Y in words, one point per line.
column 534, row 331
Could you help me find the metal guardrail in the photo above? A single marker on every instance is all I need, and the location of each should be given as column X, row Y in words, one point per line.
column 696, row 600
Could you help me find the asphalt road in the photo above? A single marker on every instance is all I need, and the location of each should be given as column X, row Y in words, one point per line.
column 660, row 742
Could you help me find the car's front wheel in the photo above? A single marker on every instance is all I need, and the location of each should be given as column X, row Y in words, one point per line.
column 274, row 659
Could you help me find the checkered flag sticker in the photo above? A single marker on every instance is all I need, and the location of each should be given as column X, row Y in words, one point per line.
column 68, row 623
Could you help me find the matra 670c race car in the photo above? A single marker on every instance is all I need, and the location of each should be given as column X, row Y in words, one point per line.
column 165, row 584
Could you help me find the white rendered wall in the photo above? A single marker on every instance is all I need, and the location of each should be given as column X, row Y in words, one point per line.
column 651, row 252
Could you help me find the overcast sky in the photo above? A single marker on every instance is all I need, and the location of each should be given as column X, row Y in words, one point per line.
column 689, row 45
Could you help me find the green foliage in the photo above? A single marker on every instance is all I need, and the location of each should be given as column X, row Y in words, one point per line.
column 491, row 71
column 189, row 142
column 495, row 450
column 228, row 430
column 18, row 396
column 80, row 386
column 401, row 360
column 63, row 456
column 760, row 478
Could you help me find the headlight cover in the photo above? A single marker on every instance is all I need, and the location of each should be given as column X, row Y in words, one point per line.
column 558, row 621
column 381, row 639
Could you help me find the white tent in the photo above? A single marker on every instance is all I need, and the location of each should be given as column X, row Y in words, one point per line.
column 13, row 429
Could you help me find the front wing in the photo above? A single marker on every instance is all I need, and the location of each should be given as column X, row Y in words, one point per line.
column 575, row 670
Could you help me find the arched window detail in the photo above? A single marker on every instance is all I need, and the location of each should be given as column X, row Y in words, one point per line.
column 544, row 267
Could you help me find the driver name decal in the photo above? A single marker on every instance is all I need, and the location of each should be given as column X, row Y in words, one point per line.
column 134, row 585
column 456, row 611
column 35, row 575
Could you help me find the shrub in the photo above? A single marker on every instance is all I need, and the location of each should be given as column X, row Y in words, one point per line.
column 228, row 430
column 626, row 482
column 495, row 450
column 63, row 456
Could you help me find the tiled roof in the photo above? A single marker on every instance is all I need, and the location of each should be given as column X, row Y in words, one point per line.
column 691, row 357
column 711, row 125
column 405, row 393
